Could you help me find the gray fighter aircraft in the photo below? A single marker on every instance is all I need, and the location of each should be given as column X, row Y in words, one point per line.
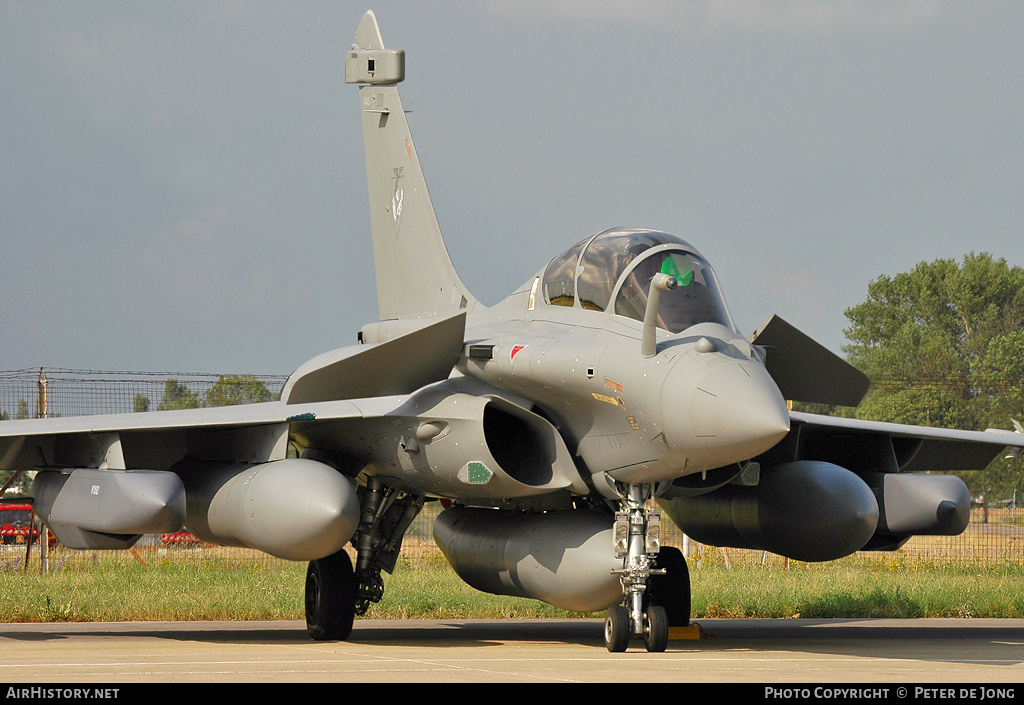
column 552, row 426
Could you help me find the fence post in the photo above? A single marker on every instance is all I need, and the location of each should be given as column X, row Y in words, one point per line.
column 44, row 545
column 41, row 410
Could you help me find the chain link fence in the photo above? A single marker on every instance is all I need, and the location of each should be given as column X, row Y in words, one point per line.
column 995, row 533
column 52, row 392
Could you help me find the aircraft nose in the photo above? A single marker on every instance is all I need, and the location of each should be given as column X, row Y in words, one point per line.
column 736, row 413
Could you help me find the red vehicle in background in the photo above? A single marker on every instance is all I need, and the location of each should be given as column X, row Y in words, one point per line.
column 15, row 521
column 180, row 538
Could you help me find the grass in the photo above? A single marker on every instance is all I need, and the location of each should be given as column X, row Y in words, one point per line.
column 230, row 584
column 860, row 590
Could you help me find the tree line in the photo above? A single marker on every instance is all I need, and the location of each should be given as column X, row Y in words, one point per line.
column 944, row 346
column 228, row 390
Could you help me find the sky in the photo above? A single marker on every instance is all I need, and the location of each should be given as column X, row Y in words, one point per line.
column 183, row 186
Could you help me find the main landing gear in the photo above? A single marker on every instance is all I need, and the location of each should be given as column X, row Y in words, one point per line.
column 655, row 580
column 335, row 592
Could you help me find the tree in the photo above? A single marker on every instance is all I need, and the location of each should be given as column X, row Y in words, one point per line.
column 944, row 346
column 140, row 403
column 178, row 396
column 230, row 390
column 21, row 487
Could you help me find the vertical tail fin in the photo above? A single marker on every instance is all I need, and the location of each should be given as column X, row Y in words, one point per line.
column 415, row 275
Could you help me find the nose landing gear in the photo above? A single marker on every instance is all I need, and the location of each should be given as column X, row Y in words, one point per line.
column 645, row 614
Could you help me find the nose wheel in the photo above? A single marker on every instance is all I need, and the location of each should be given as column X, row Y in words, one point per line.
column 656, row 628
column 618, row 628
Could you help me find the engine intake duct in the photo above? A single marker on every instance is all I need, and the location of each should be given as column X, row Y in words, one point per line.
column 87, row 508
column 522, row 450
column 564, row 558
column 807, row 510
column 453, row 444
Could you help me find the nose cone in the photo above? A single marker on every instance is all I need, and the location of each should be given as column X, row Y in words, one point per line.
column 736, row 413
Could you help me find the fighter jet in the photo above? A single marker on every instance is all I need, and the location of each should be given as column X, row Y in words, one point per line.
column 555, row 427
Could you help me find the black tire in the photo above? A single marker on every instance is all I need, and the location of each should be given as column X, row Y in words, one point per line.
column 330, row 597
column 672, row 590
column 616, row 629
column 656, row 629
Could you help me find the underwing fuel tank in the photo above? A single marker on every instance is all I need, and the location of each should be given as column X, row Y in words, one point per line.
column 911, row 504
column 808, row 510
column 88, row 508
column 564, row 558
column 296, row 509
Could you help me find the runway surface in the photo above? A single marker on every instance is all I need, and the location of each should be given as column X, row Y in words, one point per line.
column 981, row 651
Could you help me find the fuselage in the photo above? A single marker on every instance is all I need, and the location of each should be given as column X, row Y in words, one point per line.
column 703, row 401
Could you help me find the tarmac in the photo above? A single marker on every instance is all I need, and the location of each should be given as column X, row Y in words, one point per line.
column 983, row 652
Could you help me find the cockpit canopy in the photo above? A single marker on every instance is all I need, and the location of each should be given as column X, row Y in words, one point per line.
column 618, row 266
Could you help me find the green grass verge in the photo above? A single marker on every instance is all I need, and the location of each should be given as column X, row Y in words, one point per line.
column 179, row 586
column 860, row 591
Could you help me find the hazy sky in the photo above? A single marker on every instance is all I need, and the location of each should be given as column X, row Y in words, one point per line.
column 182, row 184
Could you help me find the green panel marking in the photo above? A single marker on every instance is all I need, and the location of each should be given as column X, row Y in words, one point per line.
column 479, row 474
